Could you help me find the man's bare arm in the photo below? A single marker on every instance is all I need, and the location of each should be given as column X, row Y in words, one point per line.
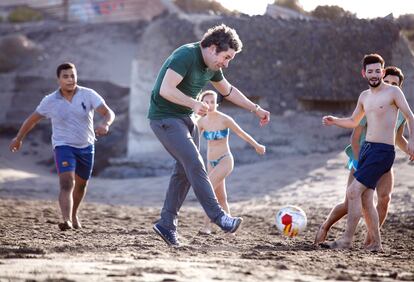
column 402, row 104
column 170, row 92
column 234, row 95
column 355, row 137
column 400, row 140
column 108, row 118
column 26, row 127
column 349, row 122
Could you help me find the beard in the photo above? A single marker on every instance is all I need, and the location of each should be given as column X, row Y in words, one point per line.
column 374, row 84
column 214, row 68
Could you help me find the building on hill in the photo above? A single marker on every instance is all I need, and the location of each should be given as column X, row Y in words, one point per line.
column 90, row 11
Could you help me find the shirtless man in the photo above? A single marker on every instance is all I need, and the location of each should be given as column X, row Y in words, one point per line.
column 380, row 104
column 393, row 76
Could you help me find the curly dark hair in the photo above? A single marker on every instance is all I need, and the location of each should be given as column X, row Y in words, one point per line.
column 391, row 70
column 372, row 59
column 223, row 37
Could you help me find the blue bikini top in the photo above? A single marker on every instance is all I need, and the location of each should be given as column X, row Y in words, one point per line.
column 216, row 135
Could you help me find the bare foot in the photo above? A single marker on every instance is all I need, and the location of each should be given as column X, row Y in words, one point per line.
column 374, row 247
column 368, row 240
column 66, row 225
column 336, row 245
column 320, row 235
column 76, row 223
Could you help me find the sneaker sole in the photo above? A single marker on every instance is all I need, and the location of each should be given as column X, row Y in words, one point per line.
column 239, row 222
column 156, row 230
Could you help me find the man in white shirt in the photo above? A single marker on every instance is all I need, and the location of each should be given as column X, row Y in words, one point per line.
column 70, row 109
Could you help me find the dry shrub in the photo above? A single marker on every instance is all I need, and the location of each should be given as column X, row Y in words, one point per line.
column 291, row 4
column 24, row 14
column 331, row 12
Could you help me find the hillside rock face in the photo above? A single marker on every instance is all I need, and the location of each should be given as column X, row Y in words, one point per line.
column 283, row 65
column 15, row 50
column 288, row 66
column 286, row 60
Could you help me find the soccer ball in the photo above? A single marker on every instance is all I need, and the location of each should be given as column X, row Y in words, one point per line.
column 291, row 221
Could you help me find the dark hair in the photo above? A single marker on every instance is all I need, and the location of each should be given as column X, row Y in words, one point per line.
column 372, row 59
column 223, row 37
column 64, row 66
column 391, row 70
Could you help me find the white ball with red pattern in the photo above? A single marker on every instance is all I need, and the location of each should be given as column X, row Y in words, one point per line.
column 291, row 221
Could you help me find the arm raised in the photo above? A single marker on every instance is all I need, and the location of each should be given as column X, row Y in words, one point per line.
column 349, row 122
column 234, row 95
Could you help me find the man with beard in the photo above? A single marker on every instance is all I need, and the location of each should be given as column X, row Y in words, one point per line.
column 393, row 76
column 173, row 101
column 380, row 104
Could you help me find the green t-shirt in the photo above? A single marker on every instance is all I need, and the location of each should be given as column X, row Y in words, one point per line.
column 187, row 61
column 348, row 149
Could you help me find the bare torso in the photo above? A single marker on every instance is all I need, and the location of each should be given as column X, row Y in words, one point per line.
column 381, row 112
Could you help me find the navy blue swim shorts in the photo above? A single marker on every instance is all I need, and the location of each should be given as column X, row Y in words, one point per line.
column 375, row 159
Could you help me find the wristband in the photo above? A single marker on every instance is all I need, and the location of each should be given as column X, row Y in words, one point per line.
column 256, row 108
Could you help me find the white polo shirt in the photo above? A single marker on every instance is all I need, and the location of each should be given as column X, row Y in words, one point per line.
column 72, row 122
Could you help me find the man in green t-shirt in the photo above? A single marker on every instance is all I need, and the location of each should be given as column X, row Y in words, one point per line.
column 173, row 101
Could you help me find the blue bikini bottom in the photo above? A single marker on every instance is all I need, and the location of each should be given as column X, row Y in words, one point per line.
column 214, row 163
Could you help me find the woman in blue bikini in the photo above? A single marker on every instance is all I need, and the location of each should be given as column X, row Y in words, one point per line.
column 215, row 128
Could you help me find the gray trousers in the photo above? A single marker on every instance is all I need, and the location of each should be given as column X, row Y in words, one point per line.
column 180, row 138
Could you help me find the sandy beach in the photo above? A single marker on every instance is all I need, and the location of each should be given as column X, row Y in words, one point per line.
column 298, row 69
column 117, row 242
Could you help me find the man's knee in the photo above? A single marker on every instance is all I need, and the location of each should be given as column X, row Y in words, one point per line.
column 80, row 186
column 354, row 191
column 384, row 193
column 67, row 181
column 384, row 200
column 80, row 183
